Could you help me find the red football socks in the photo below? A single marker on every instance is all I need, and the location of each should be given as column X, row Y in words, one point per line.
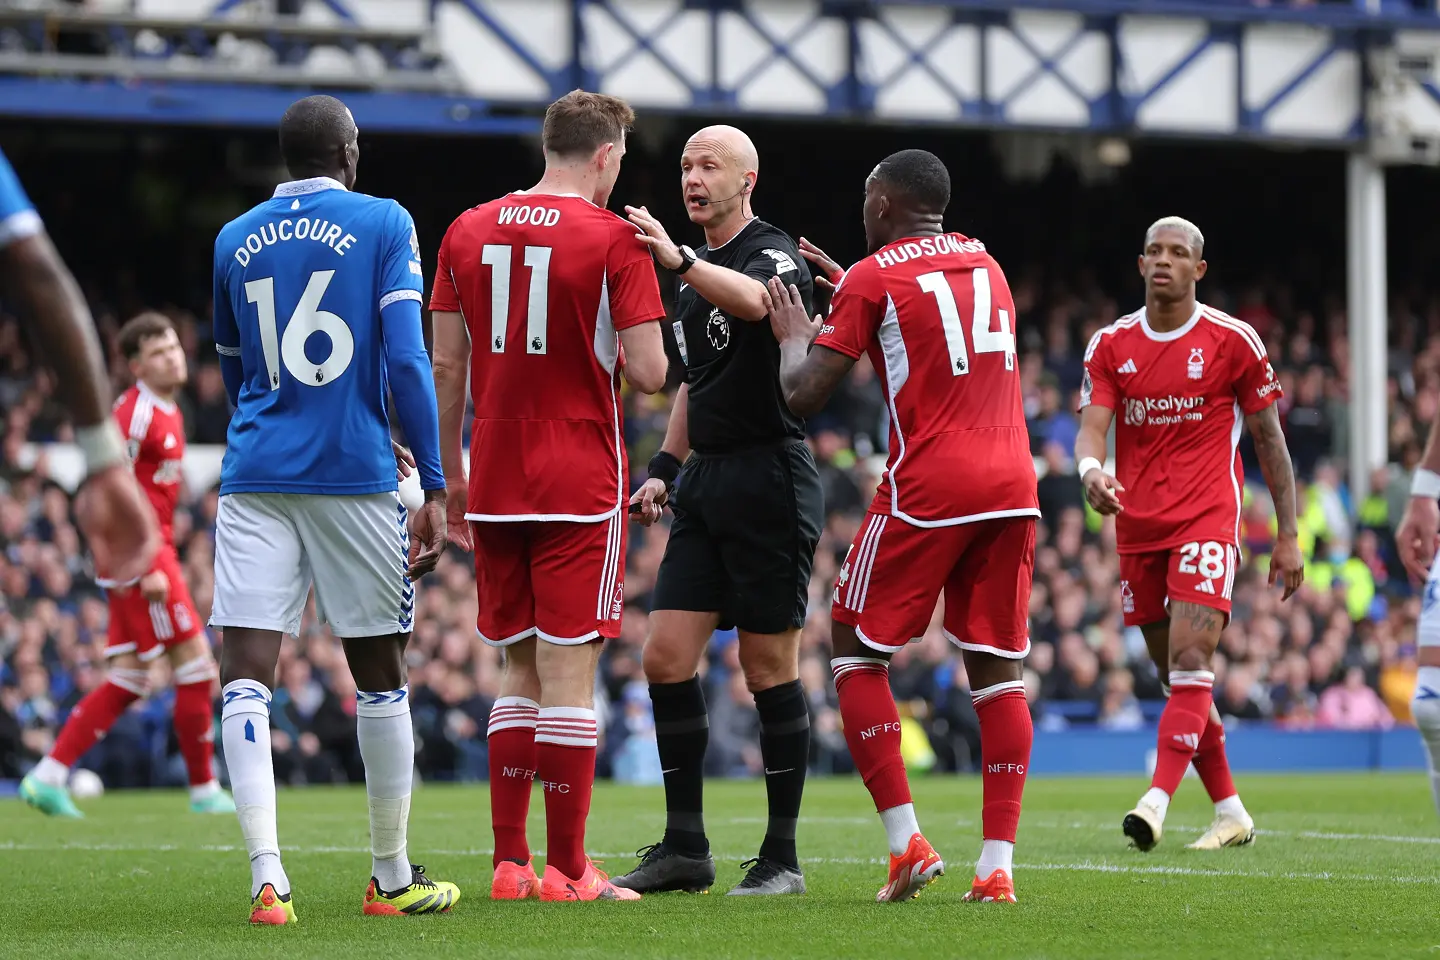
column 872, row 727
column 511, row 740
column 195, row 729
column 565, row 740
column 1006, row 735
column 91, row 719
column 1212, row 764
column 1186, row 716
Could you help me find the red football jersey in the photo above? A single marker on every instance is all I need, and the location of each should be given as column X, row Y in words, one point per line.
column 1180, row 401
column 155, row 435
column 936, row 316
column 545, row 283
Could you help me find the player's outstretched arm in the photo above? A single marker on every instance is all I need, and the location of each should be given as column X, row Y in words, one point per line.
column 831, row 273
column 1418, row 535
column 117, row 520
column 807, row 377
column 733, row 292
column 1101, row 489
column 451, row 364
column 645, row 362
column 1285, row 561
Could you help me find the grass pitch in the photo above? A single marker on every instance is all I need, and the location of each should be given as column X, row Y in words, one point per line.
column 1345, row 866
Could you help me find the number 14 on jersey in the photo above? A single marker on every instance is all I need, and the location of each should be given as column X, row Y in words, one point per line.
column 938, row 285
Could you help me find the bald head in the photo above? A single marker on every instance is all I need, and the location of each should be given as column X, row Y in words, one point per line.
column 726, row 142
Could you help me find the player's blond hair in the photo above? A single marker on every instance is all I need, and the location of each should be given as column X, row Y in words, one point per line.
column 580, row 122
column 1192, row 233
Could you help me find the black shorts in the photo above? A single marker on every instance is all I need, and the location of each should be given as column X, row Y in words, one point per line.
column 743, row 540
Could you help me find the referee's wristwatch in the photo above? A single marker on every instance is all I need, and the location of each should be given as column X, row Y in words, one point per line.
column 687, row 260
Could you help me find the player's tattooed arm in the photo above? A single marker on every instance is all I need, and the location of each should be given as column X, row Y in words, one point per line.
column 1274, row 458
column 807, row 376
column 1285, row 561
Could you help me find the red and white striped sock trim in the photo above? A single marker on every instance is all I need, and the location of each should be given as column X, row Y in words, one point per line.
column 986, row 694
column 513, row 713
column 1192, row 678
column 846, row 667
column 567, row 727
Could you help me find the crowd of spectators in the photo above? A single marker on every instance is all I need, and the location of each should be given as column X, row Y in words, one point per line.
column 1340, row 655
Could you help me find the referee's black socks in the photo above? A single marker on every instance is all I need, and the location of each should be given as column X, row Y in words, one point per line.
column 785, row 749
column 682, row 732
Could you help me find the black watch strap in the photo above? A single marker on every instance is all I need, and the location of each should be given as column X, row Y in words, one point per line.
column 687, row 260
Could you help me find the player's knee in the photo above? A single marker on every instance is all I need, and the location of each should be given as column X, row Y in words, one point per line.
column 198, row 670
column 136, row 680
column 668, row 659
column 768, row 665
column 986, row 669
column 1189, row 657
column 1427, row 716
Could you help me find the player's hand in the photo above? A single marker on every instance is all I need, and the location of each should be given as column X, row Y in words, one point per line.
column 155, row 586
column 427, row 537
column 1287, row 563
column 1101, row 491
column 119, row 524
column 1418, row 536
column 404, row 461
column 457, row 528
column 788, row 317
column 654, row 236
column 651, row 498
column 831, row 272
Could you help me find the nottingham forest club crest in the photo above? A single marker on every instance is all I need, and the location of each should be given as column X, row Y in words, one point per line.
column 717, row 329
column 1195, row 367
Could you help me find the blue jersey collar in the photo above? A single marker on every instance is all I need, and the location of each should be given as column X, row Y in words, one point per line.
column 294, row 188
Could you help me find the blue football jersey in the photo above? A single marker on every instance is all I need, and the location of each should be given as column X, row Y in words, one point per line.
column 300, row 281
column 18, row 218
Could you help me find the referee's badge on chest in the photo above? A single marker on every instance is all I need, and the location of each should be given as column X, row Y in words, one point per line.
column 679, row 329
column 717, row 329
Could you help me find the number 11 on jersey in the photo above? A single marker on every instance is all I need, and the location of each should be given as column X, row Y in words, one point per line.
column 937, row 284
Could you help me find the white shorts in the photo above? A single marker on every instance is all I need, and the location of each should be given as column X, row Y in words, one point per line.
column 270, row 547
column 1427, row 631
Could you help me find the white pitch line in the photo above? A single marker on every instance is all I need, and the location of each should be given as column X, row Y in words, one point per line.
column 1192, row 828
column 1081, row 866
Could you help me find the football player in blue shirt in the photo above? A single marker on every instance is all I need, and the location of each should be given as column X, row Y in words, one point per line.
column 317, row 311
column 118, row 521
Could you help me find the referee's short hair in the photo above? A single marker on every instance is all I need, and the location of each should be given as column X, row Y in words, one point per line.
column 580, row 122
column 313, row 129
column 917, row 175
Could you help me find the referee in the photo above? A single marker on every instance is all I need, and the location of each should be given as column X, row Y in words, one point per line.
column 748, row 513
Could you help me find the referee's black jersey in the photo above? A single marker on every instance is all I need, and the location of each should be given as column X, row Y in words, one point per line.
column 733, row 365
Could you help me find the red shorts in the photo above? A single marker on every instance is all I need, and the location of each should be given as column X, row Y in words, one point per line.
column 1200, row 572
column 148, row 629
column 895, row 572
column 562, row 581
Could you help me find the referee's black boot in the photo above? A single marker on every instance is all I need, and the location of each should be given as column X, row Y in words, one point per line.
column 662, row 868
column 768, row 877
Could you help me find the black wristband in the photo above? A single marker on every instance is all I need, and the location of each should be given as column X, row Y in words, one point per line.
column 665, row 466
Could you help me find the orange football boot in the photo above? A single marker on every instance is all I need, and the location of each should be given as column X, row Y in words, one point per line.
column 913, row 871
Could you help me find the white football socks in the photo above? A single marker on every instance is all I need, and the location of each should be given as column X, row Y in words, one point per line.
column 1157, row 798
column 900, row 826
column 1231, row 806
column 387, row 745
column 245, row 733
column 52, row 772
column 1426, row 710
column 996, row 855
